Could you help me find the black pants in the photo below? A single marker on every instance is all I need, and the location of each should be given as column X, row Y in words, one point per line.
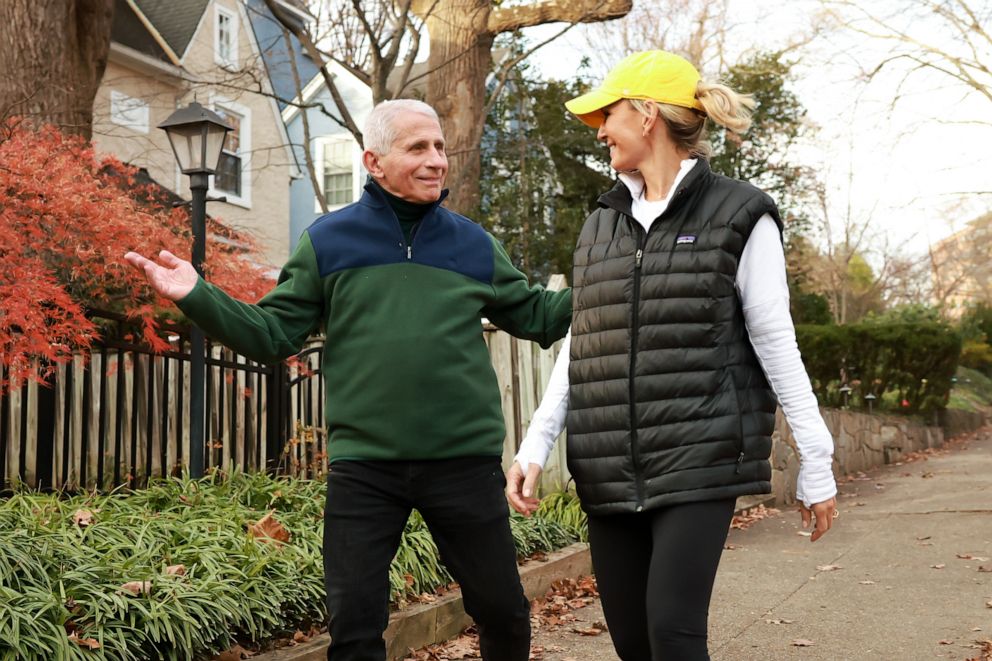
column 462, row 502
column 655, row 572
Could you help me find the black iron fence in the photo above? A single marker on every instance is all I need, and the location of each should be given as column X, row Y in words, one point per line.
column 120, row 414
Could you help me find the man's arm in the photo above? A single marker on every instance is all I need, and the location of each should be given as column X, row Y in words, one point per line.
column 269, row 331
column 525, row 311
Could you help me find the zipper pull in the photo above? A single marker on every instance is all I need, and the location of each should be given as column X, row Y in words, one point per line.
column 740, row 461
column 409, row 252
column 637, row 258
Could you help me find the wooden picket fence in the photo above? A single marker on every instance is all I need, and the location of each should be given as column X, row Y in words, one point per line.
column 119, row 415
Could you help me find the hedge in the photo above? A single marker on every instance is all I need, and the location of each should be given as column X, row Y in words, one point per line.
column 907, row 366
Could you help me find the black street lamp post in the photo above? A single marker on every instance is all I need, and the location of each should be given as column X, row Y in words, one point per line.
column 197, row 138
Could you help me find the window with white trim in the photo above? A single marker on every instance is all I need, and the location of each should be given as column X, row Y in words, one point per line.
column 225, row 37
column 338, row 170
column 338, row 173
column 128, row 111
column 230, row 168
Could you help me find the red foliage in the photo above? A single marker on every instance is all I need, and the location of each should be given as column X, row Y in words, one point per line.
column 66, row 221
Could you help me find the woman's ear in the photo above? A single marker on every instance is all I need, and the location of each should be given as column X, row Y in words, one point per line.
column 649, row 121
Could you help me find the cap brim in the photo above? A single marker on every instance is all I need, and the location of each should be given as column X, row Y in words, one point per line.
column 589, row 107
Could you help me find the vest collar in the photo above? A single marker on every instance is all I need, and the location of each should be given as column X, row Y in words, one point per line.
column 619, row 197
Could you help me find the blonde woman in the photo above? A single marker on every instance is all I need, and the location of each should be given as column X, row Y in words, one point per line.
column 681, row 343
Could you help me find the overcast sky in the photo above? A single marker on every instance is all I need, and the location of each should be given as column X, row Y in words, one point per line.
column 903, row 166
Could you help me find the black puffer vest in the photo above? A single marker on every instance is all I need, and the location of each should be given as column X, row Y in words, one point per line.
column 667, row 401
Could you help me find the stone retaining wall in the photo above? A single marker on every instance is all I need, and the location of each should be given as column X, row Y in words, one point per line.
column 861, row 442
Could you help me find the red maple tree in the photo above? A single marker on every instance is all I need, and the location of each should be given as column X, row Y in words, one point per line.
column 66, row 220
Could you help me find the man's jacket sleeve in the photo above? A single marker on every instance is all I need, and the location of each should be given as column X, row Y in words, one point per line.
column 525, row 311
column 274, row 328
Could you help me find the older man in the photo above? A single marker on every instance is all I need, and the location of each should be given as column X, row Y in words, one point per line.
column 399, row 285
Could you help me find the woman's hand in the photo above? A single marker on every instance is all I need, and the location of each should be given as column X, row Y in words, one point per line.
column 520, row 489
column 173, row 281
column 824, row 513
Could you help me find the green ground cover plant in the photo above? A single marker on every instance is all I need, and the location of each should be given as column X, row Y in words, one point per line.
column 185, row 568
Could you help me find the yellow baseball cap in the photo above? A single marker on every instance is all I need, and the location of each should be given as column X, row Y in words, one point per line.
column 654, row 75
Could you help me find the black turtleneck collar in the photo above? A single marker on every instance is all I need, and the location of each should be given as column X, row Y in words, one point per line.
column 406, row 212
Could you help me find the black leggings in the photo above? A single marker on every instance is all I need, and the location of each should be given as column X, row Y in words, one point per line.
column 655, row 572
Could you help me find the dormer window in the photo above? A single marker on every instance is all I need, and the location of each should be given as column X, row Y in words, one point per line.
column 225, row 37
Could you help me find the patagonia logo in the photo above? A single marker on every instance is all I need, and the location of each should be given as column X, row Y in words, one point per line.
column 685, row 238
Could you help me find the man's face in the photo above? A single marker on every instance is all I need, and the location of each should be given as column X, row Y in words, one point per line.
column 415, row 167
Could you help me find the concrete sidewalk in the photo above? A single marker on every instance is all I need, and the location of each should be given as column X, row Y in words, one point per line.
column 911, row 542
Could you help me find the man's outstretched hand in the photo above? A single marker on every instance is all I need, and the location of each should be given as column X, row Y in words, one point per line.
column 173, row 279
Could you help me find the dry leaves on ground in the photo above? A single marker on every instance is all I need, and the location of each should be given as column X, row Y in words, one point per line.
column 83, row 518
column 236, row 653
column 828, row 567
column 137, row 587
column 564, row 596
column 465, row 646
column 88, row 643
column 984, row 648
column 748, row 518
column 269, row 530
column 802, row 642
column 968, row 556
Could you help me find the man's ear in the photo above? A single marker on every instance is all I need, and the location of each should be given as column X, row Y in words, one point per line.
column 371, row 162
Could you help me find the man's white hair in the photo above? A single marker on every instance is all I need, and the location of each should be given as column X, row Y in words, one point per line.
column 380, row 134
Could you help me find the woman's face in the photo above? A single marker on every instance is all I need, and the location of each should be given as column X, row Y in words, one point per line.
column 623, row 132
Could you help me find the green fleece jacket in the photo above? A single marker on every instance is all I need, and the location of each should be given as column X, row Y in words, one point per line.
column 406, row 368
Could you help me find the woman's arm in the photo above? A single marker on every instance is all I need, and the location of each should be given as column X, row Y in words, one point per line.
column 545, row 427
column 764, row 292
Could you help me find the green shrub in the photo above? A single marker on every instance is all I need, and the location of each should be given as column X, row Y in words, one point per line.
column 58, row 578
column 896, row 362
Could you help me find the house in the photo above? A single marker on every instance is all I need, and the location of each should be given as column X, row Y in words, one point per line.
column 167, row 53
column 335, row 155
column 961, row 267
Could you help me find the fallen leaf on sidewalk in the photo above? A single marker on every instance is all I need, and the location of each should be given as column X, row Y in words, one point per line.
column 867, row 582
column 748, row 518
column 983, row 568
column 945, row 642
column 988, row 604
column 587, row 631
column 779, row 621
column 968, row 556
column 828, row 567
column 940, row 566
column 920, row 539
column 802, row 642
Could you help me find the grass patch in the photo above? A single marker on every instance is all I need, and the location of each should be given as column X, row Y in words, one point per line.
column 68, row 584
column 972, row 391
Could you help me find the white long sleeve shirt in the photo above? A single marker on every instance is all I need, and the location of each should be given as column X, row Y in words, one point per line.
column 764, row 293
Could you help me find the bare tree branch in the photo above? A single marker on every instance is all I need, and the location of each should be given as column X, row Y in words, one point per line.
column 510, row 19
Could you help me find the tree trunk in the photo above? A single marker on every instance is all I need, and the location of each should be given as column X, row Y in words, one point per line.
column 54, row 53
column 460, row 59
